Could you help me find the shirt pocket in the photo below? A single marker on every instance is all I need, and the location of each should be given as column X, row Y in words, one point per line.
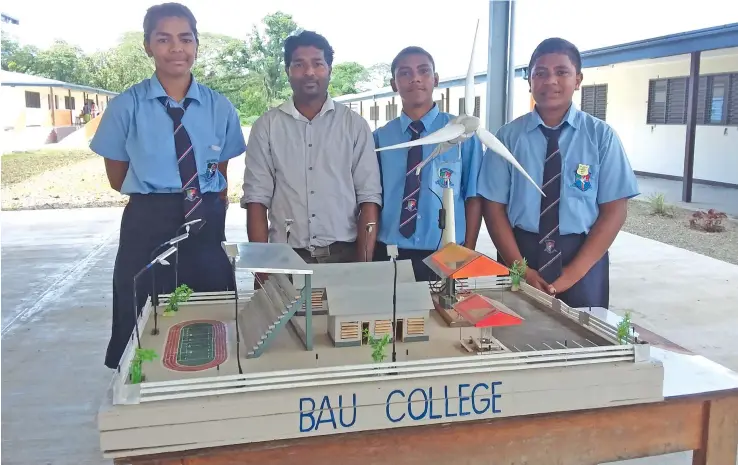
column 581, row 178
column 210, row 158
column 446, row 172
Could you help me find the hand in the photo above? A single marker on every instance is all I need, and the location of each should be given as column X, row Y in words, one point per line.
column 534, row 279
column 562, row 283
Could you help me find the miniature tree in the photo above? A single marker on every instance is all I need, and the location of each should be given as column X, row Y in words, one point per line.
column 181, row 294
column 142, row 355
column 624, row 329
column 517, row 272
column 378, row 346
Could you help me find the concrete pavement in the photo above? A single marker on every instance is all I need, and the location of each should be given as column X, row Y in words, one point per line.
column 57, row 274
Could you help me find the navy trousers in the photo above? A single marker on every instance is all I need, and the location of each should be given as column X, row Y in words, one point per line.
column 593, row 290
column 148, row 221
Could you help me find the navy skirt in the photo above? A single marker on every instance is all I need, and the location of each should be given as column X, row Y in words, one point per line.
column 147, row 222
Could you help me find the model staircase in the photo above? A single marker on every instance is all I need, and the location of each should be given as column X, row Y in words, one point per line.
column 268, row 311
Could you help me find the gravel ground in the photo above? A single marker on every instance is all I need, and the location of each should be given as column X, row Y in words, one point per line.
column 676, row 231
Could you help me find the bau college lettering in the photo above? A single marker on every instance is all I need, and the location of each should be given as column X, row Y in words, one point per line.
column 401, row 407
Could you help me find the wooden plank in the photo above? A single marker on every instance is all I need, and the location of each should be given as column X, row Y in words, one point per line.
column 572, row 438
column 719, row 440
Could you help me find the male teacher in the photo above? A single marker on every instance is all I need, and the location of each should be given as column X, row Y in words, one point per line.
column 311, row 166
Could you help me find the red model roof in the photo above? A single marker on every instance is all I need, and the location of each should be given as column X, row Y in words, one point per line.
column 483, row 312
column 457, row 262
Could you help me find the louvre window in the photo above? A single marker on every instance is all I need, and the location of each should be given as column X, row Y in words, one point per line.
column 594, row 100
column 717, row 100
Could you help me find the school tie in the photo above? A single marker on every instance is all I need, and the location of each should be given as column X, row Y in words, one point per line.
column 549, row 258
column 409, row 213
column 187, row 165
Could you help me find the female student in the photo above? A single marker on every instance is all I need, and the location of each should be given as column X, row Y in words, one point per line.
column 166, row 143
column 581, row 165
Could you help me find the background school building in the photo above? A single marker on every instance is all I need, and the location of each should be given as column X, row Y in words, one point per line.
column 642, row 90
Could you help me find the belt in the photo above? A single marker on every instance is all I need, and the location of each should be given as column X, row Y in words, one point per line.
column 325, row 250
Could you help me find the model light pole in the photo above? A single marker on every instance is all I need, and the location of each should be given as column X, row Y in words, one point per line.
column 161, row 259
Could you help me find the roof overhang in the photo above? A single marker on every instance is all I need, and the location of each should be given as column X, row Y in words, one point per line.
column 701, row 40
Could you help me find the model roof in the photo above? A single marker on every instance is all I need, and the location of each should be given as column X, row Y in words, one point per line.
column 457, row 262
column 483, row 312
column 358, row 274
column 374, row 299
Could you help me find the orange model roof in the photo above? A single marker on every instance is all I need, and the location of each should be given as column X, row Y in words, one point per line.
column 457, row 262
column 483, row 312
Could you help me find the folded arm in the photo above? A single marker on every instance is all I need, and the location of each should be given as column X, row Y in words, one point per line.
column 258, row 183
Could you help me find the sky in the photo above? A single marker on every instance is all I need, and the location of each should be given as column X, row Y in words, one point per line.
column 374, row 31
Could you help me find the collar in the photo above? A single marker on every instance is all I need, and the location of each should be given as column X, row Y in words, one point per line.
column 156, row 90
column 571, row 117
column 289, row 107
column 427, row 119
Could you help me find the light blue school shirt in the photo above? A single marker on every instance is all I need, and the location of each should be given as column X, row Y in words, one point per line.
column 585, row 140
column 462, row 172
column 136, row 128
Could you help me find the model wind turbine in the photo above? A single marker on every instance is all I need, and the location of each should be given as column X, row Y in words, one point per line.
column 456, row 132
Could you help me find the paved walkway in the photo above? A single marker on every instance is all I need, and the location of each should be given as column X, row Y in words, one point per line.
column 57, row 274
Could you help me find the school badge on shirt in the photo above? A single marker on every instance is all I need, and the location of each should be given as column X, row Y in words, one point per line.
column 444, row 177
column 212, row 169
column 582, row 178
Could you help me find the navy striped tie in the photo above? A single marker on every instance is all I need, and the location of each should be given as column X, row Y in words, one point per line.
column 549, row 258
column 409, row 212
column 187, row 165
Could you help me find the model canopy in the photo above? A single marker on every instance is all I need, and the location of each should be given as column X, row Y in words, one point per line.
column 483, row 312
column 457, row 262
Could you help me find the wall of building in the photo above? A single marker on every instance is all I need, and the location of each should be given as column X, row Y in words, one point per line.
column 651, row 148
column 659, row 148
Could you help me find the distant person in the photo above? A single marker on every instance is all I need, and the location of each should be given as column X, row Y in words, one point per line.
column 311, row 160
column 581, row 165
column 166, row 142
column 411, row 202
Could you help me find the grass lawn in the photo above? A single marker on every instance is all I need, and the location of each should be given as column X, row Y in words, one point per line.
column 20, row 166
column 71, row 178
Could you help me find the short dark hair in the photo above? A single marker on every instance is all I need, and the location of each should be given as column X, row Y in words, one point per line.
column 167, row 10
column 412, row 50
column 307, row 39
column 556, row 45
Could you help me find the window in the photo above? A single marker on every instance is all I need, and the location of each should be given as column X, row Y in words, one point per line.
column 717, row 100
column 439, row 104
column 33, row 100
column 391, row 111
column 69, row 103
column 374, row 112
column 594, row 100
column 477, row 104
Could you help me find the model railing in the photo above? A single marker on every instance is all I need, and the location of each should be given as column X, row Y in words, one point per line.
column 268, row 311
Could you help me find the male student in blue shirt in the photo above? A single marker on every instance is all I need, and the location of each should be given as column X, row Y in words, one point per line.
column 166, row 143
column 581, row 165
column 409, row 217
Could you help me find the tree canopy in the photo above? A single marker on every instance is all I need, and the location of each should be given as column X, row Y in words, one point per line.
column 249, row 71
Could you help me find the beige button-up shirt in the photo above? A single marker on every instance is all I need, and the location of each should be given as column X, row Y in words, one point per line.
column 316, row 173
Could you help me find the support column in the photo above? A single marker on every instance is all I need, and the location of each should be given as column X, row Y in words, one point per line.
column 694, row 83
column 498, row 63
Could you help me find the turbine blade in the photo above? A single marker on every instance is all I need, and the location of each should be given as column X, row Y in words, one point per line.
column 449, row 132
column 469, row 91
column 440, row 148
column 492, row 143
